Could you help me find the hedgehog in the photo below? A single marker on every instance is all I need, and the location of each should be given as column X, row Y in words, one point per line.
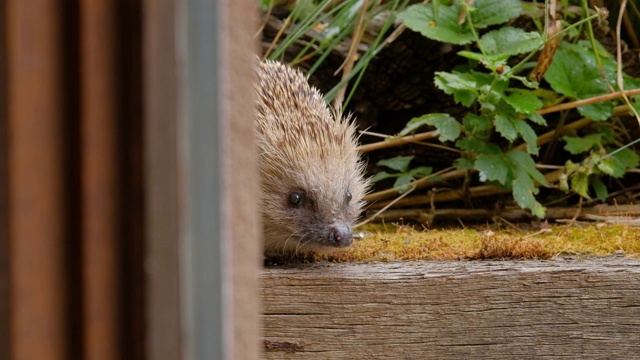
column 311, row 177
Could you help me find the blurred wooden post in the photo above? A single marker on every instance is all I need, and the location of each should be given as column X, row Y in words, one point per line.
column 202, row 222
column 100, row 146
column 36, row 204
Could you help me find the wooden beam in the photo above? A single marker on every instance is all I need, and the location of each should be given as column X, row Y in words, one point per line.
column 36, row 181
column 163, row 173
column 576, row 308
column 100, row 146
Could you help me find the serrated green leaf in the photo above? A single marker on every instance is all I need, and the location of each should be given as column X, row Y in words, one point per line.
column 477, row 146
column 524, row 102
column 402, row 183
column 398, row 163
column 574, row 72
column 523, row 194
column 447, row 126
column 537, row 119
column 598, row 112
column 524, row 162
column 600, row 189
column 476, row 123
column 461, row 86
column 463, row 163
column 421, row 171
column 441, row 25
column 493, row 12
column 578, row 145
column 492, row 167
column 508, row 41
column 580, row 184
column 415, row 123
column 524, row 188
column 528, row 135
column 618, row 163
column 382, row 175
column 504, row 125
column 627, row 157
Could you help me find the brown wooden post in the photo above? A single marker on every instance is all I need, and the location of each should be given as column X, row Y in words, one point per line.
column 100, row 193
column 36, row 181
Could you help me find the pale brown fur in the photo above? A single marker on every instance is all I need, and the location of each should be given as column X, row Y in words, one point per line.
column 305, row 149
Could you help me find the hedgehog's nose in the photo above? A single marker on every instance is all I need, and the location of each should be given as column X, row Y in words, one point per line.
column 340, row 235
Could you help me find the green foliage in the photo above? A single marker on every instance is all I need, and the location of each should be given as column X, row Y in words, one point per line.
column 503, row 102
column 439, row 21
column 403, row 174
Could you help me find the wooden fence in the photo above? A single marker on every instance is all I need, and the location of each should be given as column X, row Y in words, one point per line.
column 105, row 241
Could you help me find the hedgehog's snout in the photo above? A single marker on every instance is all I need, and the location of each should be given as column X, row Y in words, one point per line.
column 340, row 235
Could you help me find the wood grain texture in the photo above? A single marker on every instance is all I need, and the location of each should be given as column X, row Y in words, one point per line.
column 562, row 308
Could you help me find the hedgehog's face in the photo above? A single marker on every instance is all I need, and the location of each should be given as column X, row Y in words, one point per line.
column 311, row 207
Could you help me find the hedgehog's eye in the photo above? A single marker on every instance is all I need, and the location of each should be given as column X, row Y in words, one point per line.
column 295, row 199
column 348, row 196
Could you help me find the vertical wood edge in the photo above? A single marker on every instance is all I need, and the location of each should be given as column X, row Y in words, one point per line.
column 4, row 209
column 241, row 183
column 162, row 177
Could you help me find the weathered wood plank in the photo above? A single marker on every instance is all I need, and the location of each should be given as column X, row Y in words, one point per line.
column 562, row 308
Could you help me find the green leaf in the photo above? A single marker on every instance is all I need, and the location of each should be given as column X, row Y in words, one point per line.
column 398, row 163
column 627, row 158
column 493, row 12
column 598, row 112
column 523, row 194
column 504, row 125
column 617, row 163
column 477, row 146
column 528, row 135
column 472, row 55
column 402, row 183
column 524, row 162
column 492, row 167
column 578, row 145
column 461, row 86
column 508, row 41
column 421, row 171
column 600, row 189
column 476, row 123
column 447, row 126
column 580, row 184
column 463, row 163
column 524, row 102
column 441, row 25
column 524, row 189
column 574, row 73
column 537, row 118
column 382, row 175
